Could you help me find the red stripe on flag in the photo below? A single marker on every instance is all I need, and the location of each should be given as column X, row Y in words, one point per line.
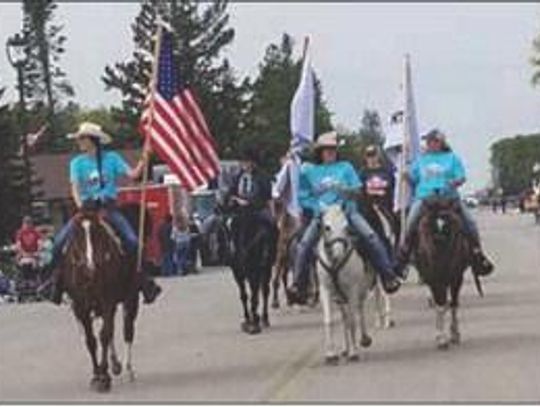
column 178, row 137
column 175, row 151
column 187, row 138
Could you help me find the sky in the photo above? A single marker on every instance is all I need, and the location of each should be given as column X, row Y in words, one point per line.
column 470, row 61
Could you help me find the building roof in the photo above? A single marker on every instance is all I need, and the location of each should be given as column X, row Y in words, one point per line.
column 53, row 172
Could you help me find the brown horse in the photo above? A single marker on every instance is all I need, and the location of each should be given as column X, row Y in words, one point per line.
column 290, row 231
column 442, row 255
column 98, row 276
column 287, row 227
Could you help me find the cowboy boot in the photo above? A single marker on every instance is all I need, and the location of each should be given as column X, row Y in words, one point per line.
column 148, row 287
column 402, row 257
column 480, row 264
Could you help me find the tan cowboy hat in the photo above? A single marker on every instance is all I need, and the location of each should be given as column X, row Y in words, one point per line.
column 329, row 139
column 91, row 129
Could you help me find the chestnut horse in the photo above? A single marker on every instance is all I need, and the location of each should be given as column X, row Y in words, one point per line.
column 442, row 255
column 98, row 276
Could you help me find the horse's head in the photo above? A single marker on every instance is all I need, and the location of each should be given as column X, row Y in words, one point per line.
column 442, row 218
column 334, row 231
column 93, row 243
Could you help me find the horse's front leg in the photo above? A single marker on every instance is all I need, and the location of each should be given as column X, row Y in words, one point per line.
column 455, row 335
column 266, row 295
column 254, row 285
column 382, row 306
column 330, row 354
column 91, row 343
column 130, row 308
column 275, row 284
column 365, row 339
column 105, row 336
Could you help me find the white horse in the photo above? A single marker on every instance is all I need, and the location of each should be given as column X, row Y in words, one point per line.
column 345, row 281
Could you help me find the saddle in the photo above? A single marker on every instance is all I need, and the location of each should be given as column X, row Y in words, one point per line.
column 115, row 237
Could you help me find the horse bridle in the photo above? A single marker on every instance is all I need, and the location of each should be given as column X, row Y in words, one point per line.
column 337, row 265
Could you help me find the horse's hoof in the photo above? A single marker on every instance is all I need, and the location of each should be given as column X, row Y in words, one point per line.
column 391, row 323
column 443, row 343
column 355, row 357
column 254, row 329
column 275, row 304
column 331, row 360
column 131, row 373
column 116, row 368
column 104, row 385
column 94, row 383
column 245, row 326
column 455, row 338
column 366, row 341
column 265, row 322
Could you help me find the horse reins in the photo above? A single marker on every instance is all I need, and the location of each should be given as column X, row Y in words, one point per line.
column 336, row 266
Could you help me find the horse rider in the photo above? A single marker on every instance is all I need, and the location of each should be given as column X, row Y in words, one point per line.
column 440, row 171
column 325, row 183
column 94, row 175
column 252, row 189
column 378, row 183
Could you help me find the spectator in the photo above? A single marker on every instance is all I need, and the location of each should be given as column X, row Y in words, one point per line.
column 181, row 239
column 166, row 246
column 27, row 240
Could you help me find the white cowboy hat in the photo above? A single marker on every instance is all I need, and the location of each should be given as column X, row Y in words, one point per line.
column 91, row 129
column 328, row 139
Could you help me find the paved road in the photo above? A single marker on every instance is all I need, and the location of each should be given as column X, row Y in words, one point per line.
column 189, row 346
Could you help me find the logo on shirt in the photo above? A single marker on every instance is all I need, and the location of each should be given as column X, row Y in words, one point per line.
column 433, row 170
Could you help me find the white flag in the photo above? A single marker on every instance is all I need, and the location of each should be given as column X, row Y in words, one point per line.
column 404, row 123
column 302, row 122
column 302, row 119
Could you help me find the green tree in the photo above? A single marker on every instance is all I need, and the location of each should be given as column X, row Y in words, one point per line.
column 512, row 160
column 11, row 174
column 45, row 81
column 267, row 117
column 201, row 33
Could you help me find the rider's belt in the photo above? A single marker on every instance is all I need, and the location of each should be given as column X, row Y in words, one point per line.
column 96, row 204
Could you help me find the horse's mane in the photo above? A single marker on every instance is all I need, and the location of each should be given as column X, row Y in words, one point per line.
column 429, row 249
column 107, row 258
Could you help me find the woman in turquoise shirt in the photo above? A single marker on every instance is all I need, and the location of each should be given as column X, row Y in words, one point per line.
column 320, row 186
column 440, row 171
column 94, row 176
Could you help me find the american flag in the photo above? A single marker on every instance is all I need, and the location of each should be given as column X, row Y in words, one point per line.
column 177, row 130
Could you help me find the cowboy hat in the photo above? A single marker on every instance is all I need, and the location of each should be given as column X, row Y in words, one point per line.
column 92, row 130
column 327, row 140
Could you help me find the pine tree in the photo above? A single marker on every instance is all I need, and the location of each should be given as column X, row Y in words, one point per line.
column 11, row 175
column 45, row 81
column 200, row 32
column 268, row 115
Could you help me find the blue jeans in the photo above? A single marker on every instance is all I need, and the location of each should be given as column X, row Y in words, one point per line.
column 116, row 220
column 377, row 253
column 416, row 210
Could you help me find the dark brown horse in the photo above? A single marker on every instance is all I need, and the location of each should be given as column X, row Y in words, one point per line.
column 442, row 255
column 98, row 276
column 251, row 263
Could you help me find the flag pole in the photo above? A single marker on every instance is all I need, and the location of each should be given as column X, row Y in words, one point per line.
column 404, row 152
column 144, row 182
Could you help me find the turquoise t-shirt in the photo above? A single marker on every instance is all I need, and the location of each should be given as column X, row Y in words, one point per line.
column 83, row 171
column 433, row 172
column 317, row 183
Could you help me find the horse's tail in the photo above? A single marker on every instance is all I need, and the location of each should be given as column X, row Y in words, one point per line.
column 478, row 284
